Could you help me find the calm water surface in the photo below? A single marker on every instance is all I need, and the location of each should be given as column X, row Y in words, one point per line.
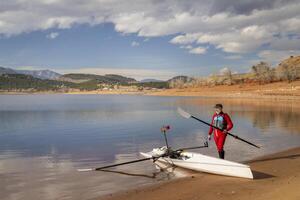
column 45, row 138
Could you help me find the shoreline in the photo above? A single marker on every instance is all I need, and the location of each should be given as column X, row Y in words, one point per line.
column 276, row 176
column 246, row 96
column 276, row 91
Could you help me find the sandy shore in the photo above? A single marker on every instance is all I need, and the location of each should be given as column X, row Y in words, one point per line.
column 277, row 90
column 277, row 177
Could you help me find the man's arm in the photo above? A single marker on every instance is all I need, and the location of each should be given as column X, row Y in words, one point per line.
column 229, row 123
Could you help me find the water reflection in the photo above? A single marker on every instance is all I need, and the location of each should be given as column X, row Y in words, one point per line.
column 263, row 114
column 45, row 138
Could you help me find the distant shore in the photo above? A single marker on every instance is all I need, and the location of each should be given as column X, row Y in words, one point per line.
column 276, row 177
column 277, row 90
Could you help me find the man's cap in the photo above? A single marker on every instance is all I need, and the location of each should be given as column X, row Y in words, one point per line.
column 218, row 105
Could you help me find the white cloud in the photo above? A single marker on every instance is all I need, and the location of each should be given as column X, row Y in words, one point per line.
column 52, row 35
column 185, row 39
column 186, row 47
column 229, row 25
column 198, row 50
column 135, row 44
column 275, row 56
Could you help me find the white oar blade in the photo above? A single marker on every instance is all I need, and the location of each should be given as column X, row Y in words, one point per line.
column 85, row 170
column 183, row 113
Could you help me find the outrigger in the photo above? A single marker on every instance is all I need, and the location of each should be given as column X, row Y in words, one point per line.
column 189, row 160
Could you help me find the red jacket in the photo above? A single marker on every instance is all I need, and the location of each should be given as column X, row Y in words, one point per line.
column 227, row 122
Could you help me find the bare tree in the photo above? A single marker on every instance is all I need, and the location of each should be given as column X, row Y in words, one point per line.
column 263, row 72
column 226, row 76
column 177, row 83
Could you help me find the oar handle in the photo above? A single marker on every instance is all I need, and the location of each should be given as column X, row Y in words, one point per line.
column 188, row 148
column 237, row 137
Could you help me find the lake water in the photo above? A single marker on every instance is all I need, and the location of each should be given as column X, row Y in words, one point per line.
column 45, row 138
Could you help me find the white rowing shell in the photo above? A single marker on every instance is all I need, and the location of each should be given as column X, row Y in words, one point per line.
column 208, row 164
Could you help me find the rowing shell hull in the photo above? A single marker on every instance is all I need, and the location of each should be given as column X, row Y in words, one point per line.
column 203, row 163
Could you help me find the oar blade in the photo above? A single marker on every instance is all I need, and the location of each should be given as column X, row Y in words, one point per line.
column 85, row 170
column 183, row 113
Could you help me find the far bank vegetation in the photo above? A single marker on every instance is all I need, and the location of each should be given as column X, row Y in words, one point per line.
column 261, row 73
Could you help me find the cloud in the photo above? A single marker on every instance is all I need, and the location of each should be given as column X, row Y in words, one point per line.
column 233, row 57
column 135, row 44
column 239, row 41
column 186, row 47
column 229, row 25
column 276, row 56
column 52, row 35
column 185, row 39
column 246, row 6
column 198, row 50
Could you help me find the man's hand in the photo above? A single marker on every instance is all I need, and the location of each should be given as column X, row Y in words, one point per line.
column 208, row 137
column 225, row 131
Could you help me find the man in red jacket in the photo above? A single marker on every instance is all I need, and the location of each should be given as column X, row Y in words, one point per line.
column 222, row 121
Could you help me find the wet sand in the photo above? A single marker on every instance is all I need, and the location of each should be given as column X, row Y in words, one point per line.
column 276, row 177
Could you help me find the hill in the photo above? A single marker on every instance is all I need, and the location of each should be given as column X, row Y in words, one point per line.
column 106, row 79
column 289, row 69
column 184, row 79
column 41, row 74
column 16, row 82
column 4, row 70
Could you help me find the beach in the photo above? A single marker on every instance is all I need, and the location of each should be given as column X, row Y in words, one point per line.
column 278, row 90
column 276, row 177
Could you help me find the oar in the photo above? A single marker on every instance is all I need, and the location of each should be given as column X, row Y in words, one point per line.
column 124, row 163
column 197, row 147
column 188, row 115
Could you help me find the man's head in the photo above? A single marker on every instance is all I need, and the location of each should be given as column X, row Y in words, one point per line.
column 219, row 108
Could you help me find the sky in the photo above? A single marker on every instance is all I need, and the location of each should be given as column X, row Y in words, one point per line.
column 147, row 38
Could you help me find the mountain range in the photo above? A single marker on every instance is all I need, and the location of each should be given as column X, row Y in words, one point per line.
column 37, row 80
column 41, row 74
column 73, row 78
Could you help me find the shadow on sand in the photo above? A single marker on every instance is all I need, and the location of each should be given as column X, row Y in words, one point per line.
column 293, row 156
column 260, row 175
column 162, row 174
column 129, row 174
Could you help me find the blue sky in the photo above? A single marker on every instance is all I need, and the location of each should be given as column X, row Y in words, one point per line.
column 160, row 40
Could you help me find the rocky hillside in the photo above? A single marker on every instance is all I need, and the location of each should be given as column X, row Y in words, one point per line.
column 106, row 79
column 289, row 69
column 291, row 61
